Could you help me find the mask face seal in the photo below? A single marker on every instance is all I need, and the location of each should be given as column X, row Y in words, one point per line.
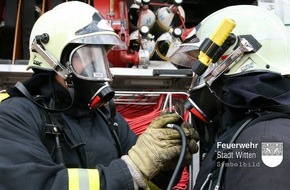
column 90, row 62
column 91, row 93
column 91, row 75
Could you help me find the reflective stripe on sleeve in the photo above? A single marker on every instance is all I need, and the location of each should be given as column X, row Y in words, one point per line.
column 83, row 179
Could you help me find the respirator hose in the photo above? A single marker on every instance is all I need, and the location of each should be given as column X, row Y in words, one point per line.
column 181, row 157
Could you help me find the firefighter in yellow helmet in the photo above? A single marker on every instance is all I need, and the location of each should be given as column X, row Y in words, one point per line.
column 55, row 129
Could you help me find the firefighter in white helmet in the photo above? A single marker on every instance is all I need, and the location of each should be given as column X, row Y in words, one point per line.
column 56, row 131
column 242, row 101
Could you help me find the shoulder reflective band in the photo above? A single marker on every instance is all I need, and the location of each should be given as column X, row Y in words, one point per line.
column 83, row 179
column 3, row 96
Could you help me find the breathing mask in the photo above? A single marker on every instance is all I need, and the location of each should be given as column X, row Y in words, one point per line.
column 75, row 48
column 90, row 75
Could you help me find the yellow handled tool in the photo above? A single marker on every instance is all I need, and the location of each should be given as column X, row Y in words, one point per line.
column 211, row 45
column 223, row 31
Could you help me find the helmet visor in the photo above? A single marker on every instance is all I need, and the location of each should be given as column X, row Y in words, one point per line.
column 90, row 62
column 105, row 38
column 185, row 55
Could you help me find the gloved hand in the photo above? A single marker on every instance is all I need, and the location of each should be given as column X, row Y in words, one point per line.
column 157, row 147
column 192, row 147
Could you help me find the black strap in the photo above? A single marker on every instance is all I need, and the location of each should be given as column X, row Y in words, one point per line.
column 248, row 122
column 24, row 91
column 55, row 134
column 53, row 128
column 233, row 139
column 108, row 115
column 27, row 94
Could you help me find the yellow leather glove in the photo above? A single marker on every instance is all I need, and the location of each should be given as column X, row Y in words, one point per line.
column 156, row 147
column 192, row 148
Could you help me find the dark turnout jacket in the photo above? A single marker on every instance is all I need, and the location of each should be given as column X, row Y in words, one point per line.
column 91, row 156
column 259, row 157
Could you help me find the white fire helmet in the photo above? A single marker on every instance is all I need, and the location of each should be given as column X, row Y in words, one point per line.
column 71, row 23
column 259, row 27
column 263, row 25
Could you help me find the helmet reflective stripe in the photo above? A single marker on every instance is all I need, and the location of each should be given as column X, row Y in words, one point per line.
column 83, row 179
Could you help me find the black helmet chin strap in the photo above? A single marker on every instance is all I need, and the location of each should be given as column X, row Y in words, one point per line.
column 71, row 90
column 27, row 94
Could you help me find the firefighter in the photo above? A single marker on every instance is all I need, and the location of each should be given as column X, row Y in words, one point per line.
column 57, row 130
column 243, row 99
